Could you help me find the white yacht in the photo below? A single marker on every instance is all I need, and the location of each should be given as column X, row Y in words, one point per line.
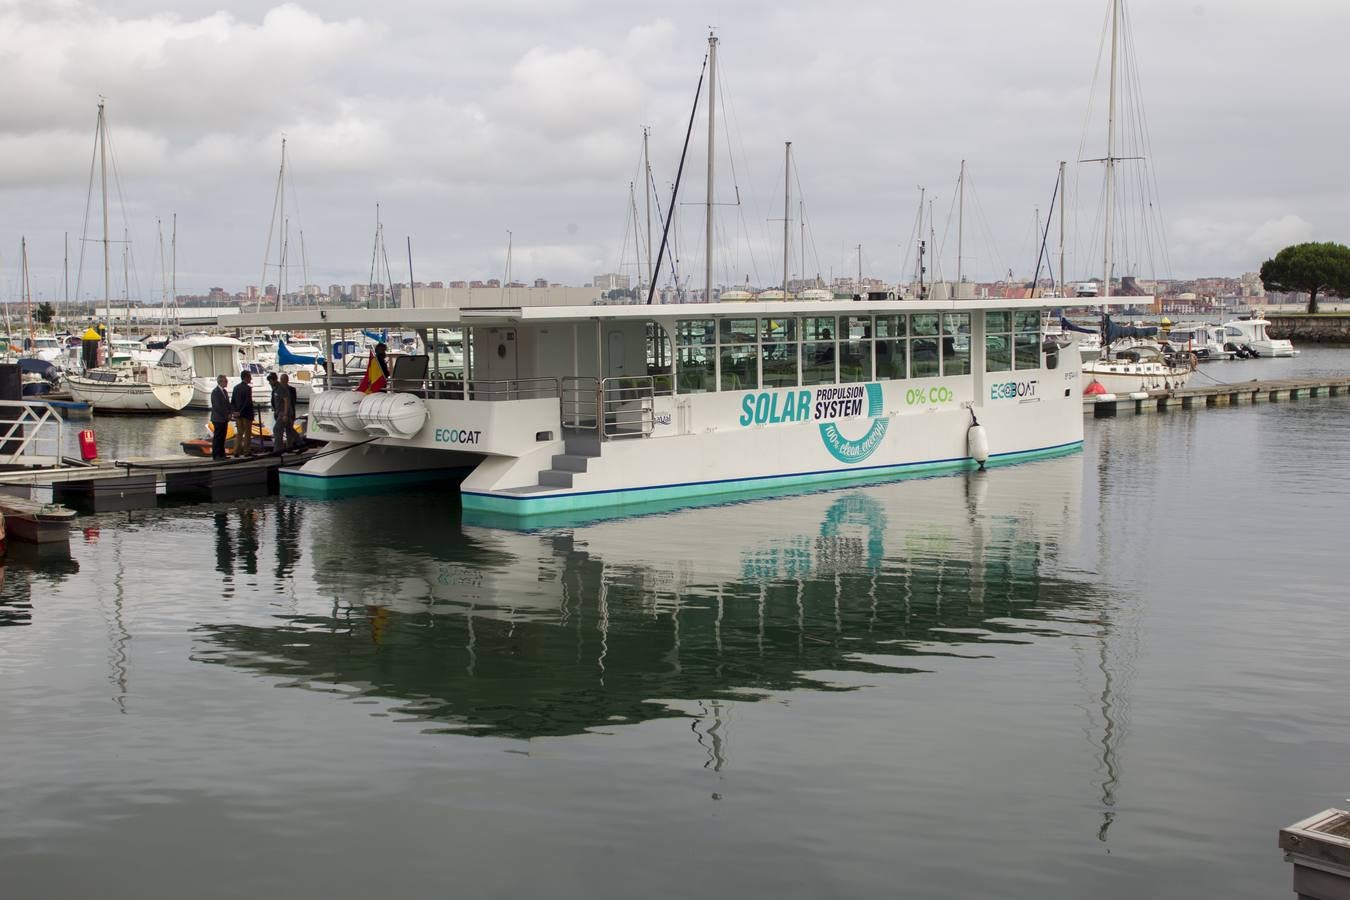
column 1252, row 333
column 202, row 359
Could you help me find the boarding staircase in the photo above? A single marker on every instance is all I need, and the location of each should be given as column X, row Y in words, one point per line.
column 594, row 412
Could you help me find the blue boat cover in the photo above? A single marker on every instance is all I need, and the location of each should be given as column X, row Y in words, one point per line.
column 286, row 358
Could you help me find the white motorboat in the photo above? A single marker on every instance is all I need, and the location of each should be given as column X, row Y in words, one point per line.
column 203, row 359
column 1204, row 339
column 1252, row 334
column 131, row 389
column 303, row 362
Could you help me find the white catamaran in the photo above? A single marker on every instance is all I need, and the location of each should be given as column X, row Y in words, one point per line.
column 567, row 409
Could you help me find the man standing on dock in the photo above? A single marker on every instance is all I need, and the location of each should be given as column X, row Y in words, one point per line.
column 283, row 435
column 220, row 417
column 241, row 403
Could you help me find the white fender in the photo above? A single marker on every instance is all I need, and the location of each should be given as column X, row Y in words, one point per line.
column 977, row 444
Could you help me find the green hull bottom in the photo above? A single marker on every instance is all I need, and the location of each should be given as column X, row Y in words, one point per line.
column 299, row 484
column 554, row 510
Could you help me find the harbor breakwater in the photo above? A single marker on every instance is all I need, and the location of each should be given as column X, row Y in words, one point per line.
column 1323, row 328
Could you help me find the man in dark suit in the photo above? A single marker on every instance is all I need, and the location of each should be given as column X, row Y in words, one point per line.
column 220, row 417
column 241, row 404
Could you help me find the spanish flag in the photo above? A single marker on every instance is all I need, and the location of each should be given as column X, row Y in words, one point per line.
column 375, row 379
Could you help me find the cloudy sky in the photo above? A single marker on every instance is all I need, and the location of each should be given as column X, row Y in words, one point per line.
column 469, row 118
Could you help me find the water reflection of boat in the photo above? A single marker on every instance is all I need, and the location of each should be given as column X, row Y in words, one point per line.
column 555, row 632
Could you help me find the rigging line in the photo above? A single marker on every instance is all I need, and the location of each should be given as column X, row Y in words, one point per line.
column 1045, row 236
column 122, row 206
column 267, row 249
column 947, row 228
column 674, row 192
column 982, row 219
column 84, row 226
column 1148, row 148
column 810, row 229
column 1087, row 117
column 729, row 118
column 627, row 216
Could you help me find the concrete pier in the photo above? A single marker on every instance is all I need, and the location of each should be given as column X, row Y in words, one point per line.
column 1163, row 401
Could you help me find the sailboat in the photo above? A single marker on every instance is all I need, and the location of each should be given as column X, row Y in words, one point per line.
column 1137, row 365
column 129, row 388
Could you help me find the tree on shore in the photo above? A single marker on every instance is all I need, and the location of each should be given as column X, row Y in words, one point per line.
column 44, row 313
column 1312, row 268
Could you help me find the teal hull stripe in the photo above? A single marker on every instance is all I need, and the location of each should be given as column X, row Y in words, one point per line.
column 526, row 504
column 402, row 473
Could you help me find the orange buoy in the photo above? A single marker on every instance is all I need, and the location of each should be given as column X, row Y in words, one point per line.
column 1093, row 388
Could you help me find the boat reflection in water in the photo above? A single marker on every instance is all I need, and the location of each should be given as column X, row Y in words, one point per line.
column 558, row 631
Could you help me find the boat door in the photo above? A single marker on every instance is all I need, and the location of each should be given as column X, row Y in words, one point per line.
column 614, row 356
column 498, row 361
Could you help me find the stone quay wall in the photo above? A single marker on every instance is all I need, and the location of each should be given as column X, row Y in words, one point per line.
column 1319, row 329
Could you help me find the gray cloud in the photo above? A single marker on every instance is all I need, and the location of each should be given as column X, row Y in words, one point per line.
column 466, row 119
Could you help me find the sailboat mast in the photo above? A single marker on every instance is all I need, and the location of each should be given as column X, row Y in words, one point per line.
column 960, row 221
column 65, row 277
column 163, row 275
column 107, row 268
column 712, row 119
column 801, row 217
column 1110, row 152
column 1061, row 228
column 173, row 266
column 27, row 289
column 282, row 242
column 787, row 214
column 647, row 198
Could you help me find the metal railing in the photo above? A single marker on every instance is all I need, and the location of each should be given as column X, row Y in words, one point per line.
column 434, row 388
column 31, row 434
column 489, row 390
column 617, row 407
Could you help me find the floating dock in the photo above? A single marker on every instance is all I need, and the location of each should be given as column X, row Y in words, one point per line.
column 1108, row 405
column 136, row 483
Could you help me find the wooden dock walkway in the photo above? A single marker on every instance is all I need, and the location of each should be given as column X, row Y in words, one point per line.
column 1211, row 395
column 134, row 483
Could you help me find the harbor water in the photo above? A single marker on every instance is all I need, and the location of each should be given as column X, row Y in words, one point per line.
column 1113, row 674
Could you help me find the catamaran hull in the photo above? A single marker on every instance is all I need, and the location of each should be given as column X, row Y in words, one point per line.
column 130, row 397
column 708, row 448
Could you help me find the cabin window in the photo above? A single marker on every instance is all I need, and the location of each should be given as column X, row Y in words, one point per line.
column 169, row 358
column 695, row 332
column 778, row 352
column 855, row 349
column 998, row 345
column 890, row 350
column 694, row 369
column 694, row 355
column 956, row 344
column 925, row 361
column 658, row 358
column 740, row 366
column 738, row 352
column 818, row 350
column 1027, row 341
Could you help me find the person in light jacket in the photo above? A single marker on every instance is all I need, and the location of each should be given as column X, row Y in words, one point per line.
column 241, row 404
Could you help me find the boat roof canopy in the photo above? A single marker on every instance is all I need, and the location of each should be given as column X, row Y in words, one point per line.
column 410, row 318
